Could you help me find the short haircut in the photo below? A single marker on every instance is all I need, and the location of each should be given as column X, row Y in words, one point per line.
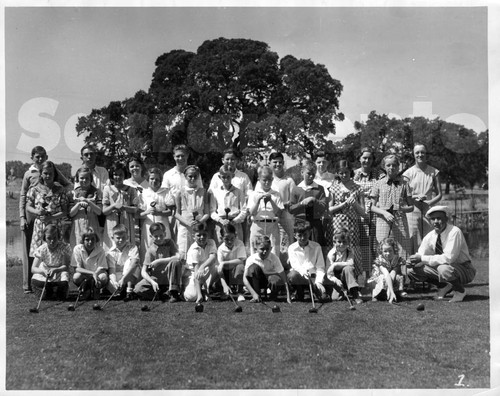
column 389, row 242
column 227, row 229
column 82, row 171
column 342, row 233
column 117, row 167
column 119, row 229
column 181, row 147
column 155, row 171
column 263, row 240
column 231, row 151
column 276, row 155
column 136, row 158
column 226, row 169
column 38, row 150
column 157, row 226
column 309, row 166
column 265, row 170
column 320, row 154
column 51, row 229
column 89, row 232
column 200, row 228
column 343, row 164
column 193, row 168
column 366, row 150
column 88, row 146
column 390, row 157
column 301, row 227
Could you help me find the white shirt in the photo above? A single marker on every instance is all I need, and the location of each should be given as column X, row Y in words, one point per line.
column 174, row 180
column 265, row 210
column 237, row 252
column 240, row 180
column 197, row 254
column 233, row 199
column 309, row 258
column 270, row 265
column 455, row 248
column 325, row 179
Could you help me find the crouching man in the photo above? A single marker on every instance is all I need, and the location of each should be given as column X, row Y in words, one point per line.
column 443, row 257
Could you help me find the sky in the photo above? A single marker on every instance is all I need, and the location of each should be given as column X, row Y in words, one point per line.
column 60, row 63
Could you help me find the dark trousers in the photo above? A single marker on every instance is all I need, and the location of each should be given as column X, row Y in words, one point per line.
column 53, row 290
column 259, row 280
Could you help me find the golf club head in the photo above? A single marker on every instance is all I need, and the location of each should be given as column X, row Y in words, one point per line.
column 144, row 308
column 199, row 307
column 313, row 310
column 352, row 308
column 96, row 307
column 238, row 309
column 34, row 310
column 276, row 309
column 420, row 307
column 71, row 307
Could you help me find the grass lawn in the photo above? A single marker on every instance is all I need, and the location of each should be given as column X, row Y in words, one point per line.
column 173, row 347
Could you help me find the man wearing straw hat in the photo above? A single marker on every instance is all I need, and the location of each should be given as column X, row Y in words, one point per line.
column 443, row 257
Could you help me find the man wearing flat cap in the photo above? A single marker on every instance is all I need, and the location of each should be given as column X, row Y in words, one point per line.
column 443, row 257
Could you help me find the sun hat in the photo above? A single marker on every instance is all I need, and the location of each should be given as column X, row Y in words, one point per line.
column 438, row 208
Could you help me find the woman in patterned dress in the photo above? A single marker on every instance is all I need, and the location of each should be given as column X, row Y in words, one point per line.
column 365, row 177
column 345, row 208
column 424, row 182
column 119, row 204
column 48, row 201
column 391, row 200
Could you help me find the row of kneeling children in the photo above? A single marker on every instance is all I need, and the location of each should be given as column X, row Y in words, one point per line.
column 164, row 274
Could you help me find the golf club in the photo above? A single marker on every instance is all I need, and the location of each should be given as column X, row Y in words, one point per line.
column 97, row 307
column 153, row 204
column 351, row 307
column 35, row 310
column 145, row 308
column 313, row 309
column 227, row 210
column 238, row 307
column 72, row 307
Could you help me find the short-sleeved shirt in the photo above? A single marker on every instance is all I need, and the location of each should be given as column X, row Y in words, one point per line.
column 60, row 255
column 264, row 211
column 197, row 254
column 240, row 181
column 270, row 265
column 390, row 195
column 117, row 258
column 232, row 199
column 237, row 252
column 394, row 265
column 82, row 259
column 165, row 250
column 175, row 180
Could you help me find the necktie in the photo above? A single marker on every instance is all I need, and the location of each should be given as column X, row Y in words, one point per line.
column 439, row 245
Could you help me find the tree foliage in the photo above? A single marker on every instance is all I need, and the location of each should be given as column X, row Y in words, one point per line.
column 231, row 92
column 459, row 153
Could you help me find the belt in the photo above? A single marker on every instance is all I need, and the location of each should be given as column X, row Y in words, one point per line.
column 267, row 221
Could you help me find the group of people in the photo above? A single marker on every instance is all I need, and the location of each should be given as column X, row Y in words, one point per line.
column 138, row 233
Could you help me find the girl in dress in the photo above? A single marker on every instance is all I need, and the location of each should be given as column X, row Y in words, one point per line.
column 48, row 201
column 119, row 205
column 345, row 208
column 424, row 183
column 157, row 206
column 192, row 208
column 136, row 169
column 387, row 279
column 365, row 177
column 391, row 200
column 85, row 204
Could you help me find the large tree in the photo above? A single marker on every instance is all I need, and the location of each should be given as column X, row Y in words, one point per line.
column 231, row 92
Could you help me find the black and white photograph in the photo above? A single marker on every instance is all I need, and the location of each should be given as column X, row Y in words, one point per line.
column 250, row 197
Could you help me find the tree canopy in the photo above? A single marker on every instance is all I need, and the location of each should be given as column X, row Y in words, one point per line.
column 231, row 92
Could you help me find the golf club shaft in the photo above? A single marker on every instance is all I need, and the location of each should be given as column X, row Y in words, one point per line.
column 233, row 300
column 43, row 292
column 311, row 291
column 80, row 288
column 346, row 296
column 110, row 297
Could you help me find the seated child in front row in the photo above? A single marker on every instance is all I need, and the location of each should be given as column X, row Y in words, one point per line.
column 306, row 262
column 387, row 280
column 341, row 271
column 123, row 263
column 231, row 256
column 89, row 261
column 162, row 268
column 262, row 270
column 200, row 268
column 51, row 261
